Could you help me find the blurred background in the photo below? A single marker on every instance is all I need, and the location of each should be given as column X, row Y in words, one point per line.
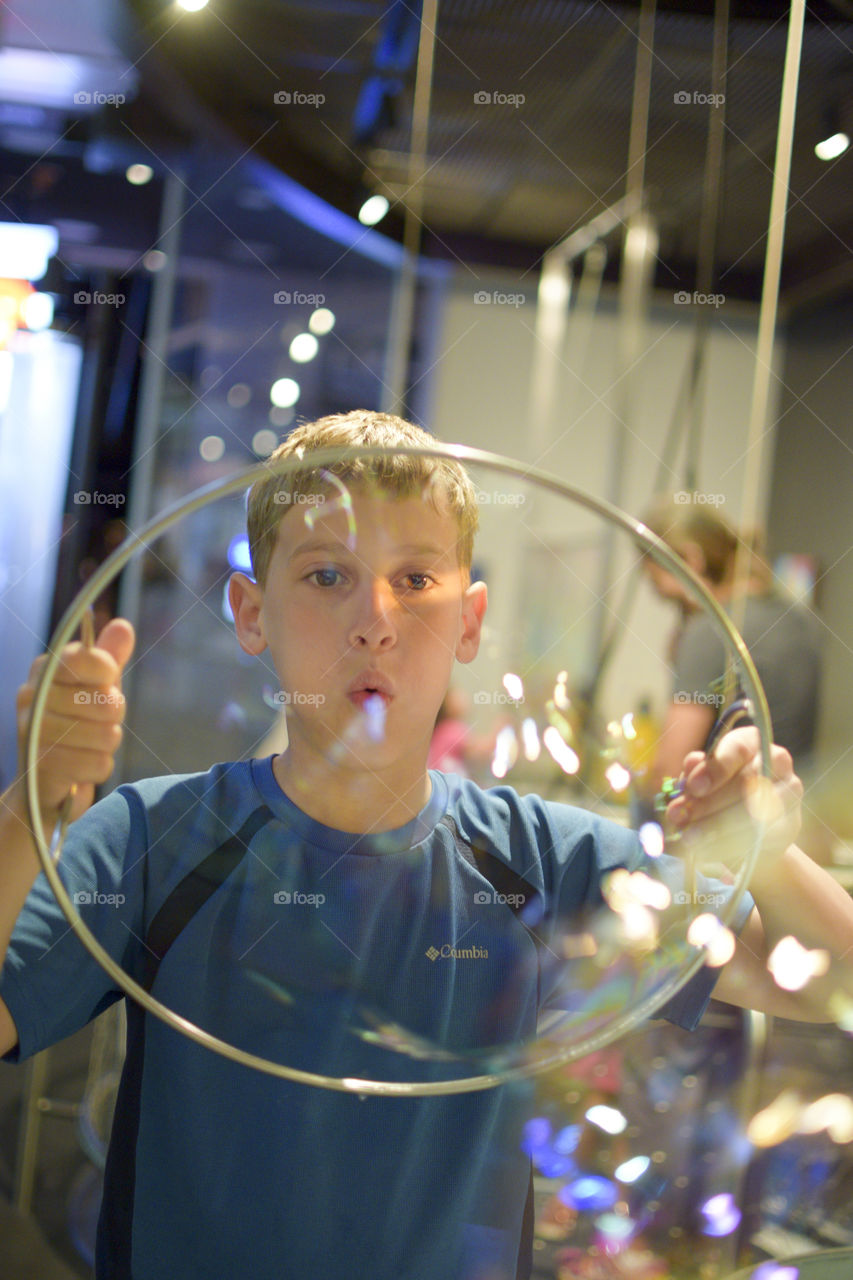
column 543, row 229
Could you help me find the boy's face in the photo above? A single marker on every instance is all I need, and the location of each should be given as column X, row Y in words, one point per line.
column 364, row 616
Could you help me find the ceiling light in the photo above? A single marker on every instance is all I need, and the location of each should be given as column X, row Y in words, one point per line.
column 321, row 321
column 25, row 249
column 284, row 393
column 303, row 348
column 139, row 174
column 835, row 145
column 373, row 210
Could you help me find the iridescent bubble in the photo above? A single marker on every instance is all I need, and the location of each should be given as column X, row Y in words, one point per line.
column 524, row 916
column 589, row 1194
column 721, row 1215
column 632, row 1169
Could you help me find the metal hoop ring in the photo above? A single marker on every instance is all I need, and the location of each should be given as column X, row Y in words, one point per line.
column 104, row 575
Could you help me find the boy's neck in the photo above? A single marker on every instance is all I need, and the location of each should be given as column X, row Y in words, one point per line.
column 364, row 802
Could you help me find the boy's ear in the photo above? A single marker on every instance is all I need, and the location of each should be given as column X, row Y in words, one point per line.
column 246, row 598
column 474, row 604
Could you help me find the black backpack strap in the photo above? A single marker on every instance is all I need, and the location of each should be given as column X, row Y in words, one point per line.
column 523, row 900
column 191, row 893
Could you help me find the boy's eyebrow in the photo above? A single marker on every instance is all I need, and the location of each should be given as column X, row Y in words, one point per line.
column 335, row 546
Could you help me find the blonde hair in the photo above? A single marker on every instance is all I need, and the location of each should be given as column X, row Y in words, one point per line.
column 678, row 523
column 444, row 482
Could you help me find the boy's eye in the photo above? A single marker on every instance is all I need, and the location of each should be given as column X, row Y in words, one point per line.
column 418, row 581
column 324, row 577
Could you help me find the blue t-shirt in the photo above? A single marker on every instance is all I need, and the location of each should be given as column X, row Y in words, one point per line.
column 315, row 947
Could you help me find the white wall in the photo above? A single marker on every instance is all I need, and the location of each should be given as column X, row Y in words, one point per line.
column 36, row 427
column 481, row 398
column 812, row 508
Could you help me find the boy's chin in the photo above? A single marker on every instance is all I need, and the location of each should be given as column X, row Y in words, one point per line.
column 361, row 742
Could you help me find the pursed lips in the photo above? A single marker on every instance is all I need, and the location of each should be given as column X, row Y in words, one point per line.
column 370, row 684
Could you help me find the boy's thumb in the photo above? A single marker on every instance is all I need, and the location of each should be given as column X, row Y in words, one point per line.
column 118, row 638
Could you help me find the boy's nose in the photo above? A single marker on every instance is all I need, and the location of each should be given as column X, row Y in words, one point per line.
column 374, row 626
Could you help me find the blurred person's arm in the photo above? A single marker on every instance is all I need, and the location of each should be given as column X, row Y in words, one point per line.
column 685, row 729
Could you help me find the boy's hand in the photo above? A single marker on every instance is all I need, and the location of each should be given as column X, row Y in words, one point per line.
column 717, row 785
column 81, row 725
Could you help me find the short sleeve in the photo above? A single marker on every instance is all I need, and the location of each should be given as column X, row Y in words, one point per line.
column 611, row 846
column 50, row 983
column 699, row 661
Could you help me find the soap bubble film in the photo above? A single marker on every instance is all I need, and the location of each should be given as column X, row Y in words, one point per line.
column 383, row 960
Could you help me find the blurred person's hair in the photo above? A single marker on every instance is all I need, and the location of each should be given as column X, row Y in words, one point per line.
column 678, row 523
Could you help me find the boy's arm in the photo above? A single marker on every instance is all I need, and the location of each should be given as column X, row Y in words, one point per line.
column 794, row 897
column 80, row 733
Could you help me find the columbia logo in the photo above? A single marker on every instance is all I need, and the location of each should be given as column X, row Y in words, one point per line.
column 433, row 954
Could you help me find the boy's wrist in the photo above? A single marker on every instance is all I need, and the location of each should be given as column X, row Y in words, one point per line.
column 769, row 875
column 14, row 808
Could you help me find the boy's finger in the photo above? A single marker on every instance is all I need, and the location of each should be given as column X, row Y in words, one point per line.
column 118, row 638
column 732, row 754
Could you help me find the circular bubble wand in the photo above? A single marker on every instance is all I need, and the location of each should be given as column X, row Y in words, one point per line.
column 285, row 467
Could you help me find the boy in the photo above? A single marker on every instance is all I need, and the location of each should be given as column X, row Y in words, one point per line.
column 364, row 602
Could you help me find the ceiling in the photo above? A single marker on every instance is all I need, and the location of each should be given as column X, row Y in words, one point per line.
column 509, row 177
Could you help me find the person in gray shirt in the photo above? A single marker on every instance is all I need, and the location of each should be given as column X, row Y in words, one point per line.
column 781, row 635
